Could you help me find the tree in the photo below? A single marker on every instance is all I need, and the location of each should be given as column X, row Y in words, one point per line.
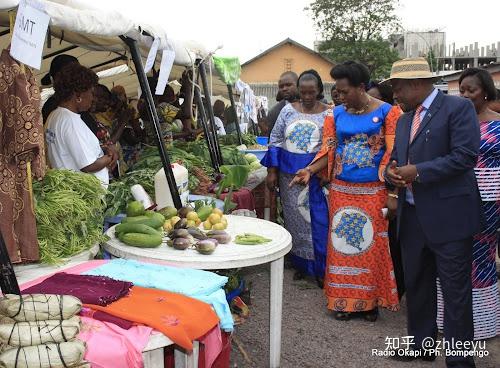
column 355, row 30
column 432, row 60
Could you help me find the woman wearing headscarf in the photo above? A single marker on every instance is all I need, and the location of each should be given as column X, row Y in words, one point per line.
column 294, row 142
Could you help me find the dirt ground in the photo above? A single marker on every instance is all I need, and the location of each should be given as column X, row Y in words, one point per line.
column 311, row 337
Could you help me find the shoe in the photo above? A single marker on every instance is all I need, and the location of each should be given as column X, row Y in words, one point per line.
column 371, row 315
column 320, row 282
column 342, row 316
column 298, row 276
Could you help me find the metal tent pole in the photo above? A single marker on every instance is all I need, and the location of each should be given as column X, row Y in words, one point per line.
column 233, row 105
column 211, row 117
column 143, row 81
column 8, row 281
column 208, row 136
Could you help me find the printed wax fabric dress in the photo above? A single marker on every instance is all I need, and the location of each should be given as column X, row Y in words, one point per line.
column 485, row 296
column 22, row 156
column 294, row 142
column 359, row 273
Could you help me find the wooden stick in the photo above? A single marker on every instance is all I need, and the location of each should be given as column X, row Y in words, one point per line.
column 241, row 349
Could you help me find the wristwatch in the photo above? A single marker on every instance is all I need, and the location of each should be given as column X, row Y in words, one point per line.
column 417, row 178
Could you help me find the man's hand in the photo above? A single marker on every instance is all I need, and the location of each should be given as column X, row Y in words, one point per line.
column 395, row 178
column 408, row 173
column 301, row 177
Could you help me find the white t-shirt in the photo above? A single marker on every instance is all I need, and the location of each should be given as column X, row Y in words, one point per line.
column 71, row 144
column 219, row 126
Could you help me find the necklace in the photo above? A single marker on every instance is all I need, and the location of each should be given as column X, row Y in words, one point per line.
column 364, row 109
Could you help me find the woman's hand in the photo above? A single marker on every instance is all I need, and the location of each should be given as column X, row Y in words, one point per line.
column 301, row 177
column 272, row 180
column 392, row 207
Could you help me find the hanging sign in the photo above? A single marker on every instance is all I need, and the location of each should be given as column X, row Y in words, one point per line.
column 28, row 36
column 167, row 61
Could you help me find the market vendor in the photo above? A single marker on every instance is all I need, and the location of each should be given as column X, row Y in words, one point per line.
column 176, row 119
column 219, row 109
column 55, row 67
column 70, row 143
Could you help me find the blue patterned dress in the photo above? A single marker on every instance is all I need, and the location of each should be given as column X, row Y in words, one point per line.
column 485, row 297
column 294, row 142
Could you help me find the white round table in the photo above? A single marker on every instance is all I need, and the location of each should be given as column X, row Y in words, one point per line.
column 228, row 256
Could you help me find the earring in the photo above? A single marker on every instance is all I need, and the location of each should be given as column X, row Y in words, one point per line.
column 78, row 99
column 485, row 97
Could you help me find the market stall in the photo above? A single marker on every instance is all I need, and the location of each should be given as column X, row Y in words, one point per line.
column 75, row 27
column 228, row 256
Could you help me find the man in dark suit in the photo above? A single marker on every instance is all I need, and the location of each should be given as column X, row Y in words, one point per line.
column 438, row 205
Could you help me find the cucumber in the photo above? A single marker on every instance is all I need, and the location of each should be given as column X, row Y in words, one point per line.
column 134, row 227
column 142, row 240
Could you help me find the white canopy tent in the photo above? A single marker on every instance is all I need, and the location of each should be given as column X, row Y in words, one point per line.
column 93, row 36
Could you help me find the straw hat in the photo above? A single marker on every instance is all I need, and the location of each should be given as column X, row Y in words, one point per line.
column 411, row 68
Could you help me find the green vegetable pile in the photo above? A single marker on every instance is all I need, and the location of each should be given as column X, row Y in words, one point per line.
column 69, row 211
column 232, row 139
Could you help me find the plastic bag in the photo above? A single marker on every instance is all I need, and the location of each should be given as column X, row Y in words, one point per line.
column 39, row 307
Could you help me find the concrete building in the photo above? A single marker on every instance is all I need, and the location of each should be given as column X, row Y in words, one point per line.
column 472, row 55
column 418, row 44
column 262, row 71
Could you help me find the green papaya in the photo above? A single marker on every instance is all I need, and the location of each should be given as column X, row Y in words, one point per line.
column 136, row 228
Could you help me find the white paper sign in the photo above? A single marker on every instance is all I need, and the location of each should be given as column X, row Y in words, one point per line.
column 152, row 55
column 167, row 61
column 28, row 37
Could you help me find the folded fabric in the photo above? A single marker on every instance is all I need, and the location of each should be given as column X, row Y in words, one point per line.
column 98, row 290
column 38, row 307
column 202, row 285
column 106, row 317
column 180, row 318
column 111, row 346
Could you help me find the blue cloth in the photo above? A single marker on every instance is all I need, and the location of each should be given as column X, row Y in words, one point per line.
column 202, row 285
column 426, row 104
column 361, row 144
column 288, row 162
column 445, row 151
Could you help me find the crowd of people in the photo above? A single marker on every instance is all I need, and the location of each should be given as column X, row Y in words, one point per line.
column 93, row 129
column 393, row 189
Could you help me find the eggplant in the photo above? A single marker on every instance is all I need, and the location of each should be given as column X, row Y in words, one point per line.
column 220, row 235
column 179, row 233
column 206, row 246
column 183, row 212
column 197, row 233
column 181, row 224
column 181, row 243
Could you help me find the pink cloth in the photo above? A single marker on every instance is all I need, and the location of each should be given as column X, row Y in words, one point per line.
column 213, row 345
column 109, row 346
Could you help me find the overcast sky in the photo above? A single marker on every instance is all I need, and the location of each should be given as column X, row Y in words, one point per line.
column 246, row 28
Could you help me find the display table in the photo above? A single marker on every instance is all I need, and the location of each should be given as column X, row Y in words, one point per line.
column 228, row 256
column 153, row 352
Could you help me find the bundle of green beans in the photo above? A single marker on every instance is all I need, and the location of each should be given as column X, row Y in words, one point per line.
column 69, row 209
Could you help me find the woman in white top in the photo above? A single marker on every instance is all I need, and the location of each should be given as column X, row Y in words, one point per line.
column 70, row 143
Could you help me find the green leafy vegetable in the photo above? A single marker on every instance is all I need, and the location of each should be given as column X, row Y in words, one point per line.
column 69, row 210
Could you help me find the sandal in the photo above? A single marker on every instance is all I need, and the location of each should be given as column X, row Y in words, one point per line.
column 371, row 315
column 342, row 316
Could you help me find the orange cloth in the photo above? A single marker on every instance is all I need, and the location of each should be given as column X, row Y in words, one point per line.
column 182, row 319
column 359, row 276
